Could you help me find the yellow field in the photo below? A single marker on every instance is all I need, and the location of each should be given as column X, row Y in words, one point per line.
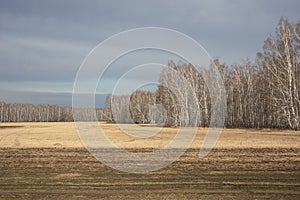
column 64, row 134
column 48, row 161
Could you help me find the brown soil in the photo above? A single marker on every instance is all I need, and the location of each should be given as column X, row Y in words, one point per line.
column 246, row 164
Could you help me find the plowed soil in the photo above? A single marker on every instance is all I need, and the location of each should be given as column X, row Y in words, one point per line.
column 48, row 161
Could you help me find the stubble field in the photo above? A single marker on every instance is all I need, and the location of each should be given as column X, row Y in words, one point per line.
column 48, row 161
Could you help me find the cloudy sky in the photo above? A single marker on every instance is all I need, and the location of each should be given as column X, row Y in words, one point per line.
column 43, row 43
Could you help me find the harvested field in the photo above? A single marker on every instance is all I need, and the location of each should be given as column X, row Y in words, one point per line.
column 48, row 161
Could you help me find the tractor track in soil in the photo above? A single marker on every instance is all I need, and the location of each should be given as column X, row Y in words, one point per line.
column 72, row 173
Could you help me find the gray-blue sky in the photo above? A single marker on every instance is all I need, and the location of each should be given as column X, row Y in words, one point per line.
column 42, row 43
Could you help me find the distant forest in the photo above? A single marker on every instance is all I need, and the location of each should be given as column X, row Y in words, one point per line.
column 260, row 94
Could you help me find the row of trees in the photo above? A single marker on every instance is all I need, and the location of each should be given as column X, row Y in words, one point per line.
column 263, row 94
column 46, row 113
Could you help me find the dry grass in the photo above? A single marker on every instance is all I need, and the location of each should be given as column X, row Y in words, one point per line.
column 48, row 161
column 64, row 135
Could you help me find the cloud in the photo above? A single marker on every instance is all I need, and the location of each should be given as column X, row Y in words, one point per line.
column 40, row 59
column 47, row 41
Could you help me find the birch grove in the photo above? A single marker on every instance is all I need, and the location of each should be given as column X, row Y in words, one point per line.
column 260, row 94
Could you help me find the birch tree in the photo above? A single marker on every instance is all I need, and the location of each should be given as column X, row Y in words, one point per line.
column 280, row 61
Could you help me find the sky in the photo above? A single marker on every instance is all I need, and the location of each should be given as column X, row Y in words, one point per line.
column 43, row 43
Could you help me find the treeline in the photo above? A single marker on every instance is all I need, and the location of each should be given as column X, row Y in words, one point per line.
column 260, row 94
column 46, row 113
column 263, row 94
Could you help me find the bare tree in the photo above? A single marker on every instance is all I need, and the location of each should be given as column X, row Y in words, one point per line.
column 280, row 61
